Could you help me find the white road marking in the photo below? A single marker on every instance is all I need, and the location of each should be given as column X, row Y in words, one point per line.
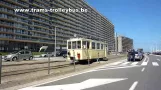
column 155, row 64
column 158, row 59
column 134, row 85
column 134, row 63
column 145, row 63
column 125, row 63
column 110, row 68
column 77, row 86
column 116, row 63
column 143, row 69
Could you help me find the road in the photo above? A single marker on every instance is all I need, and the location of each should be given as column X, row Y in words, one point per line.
column 120, row 75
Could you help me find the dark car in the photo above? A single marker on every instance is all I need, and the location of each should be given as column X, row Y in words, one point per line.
column 62, row 53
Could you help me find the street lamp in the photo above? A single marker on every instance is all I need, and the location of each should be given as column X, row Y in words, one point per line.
column 55, row 41
column 116, row 43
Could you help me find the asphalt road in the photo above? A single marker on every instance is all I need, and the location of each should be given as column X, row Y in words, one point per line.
column 121, row 75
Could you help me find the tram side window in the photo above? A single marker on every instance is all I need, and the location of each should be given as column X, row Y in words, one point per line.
column 98, row 45
column 78, row 44
column 69, row 45
column 101, row 46
column 93, row 45
column 74, row 45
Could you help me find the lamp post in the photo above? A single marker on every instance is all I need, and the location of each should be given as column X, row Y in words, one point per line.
column 116, row 43
column 55, row 42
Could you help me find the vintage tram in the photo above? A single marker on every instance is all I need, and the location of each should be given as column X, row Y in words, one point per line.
column 81, row 49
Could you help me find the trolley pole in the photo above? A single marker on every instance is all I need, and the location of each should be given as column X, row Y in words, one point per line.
column 48, row 63
column 0, row 67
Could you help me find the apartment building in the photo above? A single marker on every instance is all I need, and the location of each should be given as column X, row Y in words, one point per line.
column 36, row 29
column 124, row 43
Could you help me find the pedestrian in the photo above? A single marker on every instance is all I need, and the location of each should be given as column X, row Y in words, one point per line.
column 133, row 54
column 129, row 55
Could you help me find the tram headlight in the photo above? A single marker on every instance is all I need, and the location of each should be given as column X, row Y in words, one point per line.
column 78, row 55
column 69, row 53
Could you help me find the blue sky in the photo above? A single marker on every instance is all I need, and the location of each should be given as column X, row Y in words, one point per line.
column 137, row 19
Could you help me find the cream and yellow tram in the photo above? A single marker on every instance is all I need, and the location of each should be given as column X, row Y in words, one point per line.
column 81, row 49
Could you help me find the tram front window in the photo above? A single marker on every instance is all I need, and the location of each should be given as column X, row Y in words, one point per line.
column 78, row 44
column 86, row 44
column 69, row 45
column 74, row 45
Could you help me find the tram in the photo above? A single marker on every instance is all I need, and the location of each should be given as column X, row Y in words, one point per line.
column 81, row 49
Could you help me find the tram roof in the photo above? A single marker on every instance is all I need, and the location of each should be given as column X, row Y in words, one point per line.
column 76, row 39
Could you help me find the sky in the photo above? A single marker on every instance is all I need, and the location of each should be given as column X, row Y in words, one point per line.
column 136, row 19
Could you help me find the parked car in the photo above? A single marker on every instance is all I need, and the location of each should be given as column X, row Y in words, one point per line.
column 62, row 53
column 23, row 54
column 139, row 56
column 51, row 54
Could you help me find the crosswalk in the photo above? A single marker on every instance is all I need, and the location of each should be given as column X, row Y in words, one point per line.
column 145, row 62
column 125, row 64
column 155, row 64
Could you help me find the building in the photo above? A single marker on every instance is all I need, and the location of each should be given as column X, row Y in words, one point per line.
column 36, row 29
column 124, row 44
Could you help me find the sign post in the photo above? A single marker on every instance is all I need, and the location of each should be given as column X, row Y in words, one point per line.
column 48, row 63
column 98, row 58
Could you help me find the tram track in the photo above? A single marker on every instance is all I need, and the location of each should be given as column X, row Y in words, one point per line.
column 24, row 71
column 27, row 63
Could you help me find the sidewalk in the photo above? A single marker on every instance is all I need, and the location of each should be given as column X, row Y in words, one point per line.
column 22, row 79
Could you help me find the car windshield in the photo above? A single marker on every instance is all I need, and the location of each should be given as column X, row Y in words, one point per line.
column 14, row 52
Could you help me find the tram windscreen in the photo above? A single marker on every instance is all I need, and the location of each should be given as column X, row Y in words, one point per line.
column 69, row 45
column 86, row 44
column 78, row 44
column 74, row 45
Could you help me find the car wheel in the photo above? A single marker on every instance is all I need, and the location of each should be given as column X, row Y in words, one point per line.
column 14, row 58
column 31, row 58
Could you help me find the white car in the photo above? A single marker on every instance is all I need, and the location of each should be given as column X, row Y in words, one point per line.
column 139, row 56
column 51, row 54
